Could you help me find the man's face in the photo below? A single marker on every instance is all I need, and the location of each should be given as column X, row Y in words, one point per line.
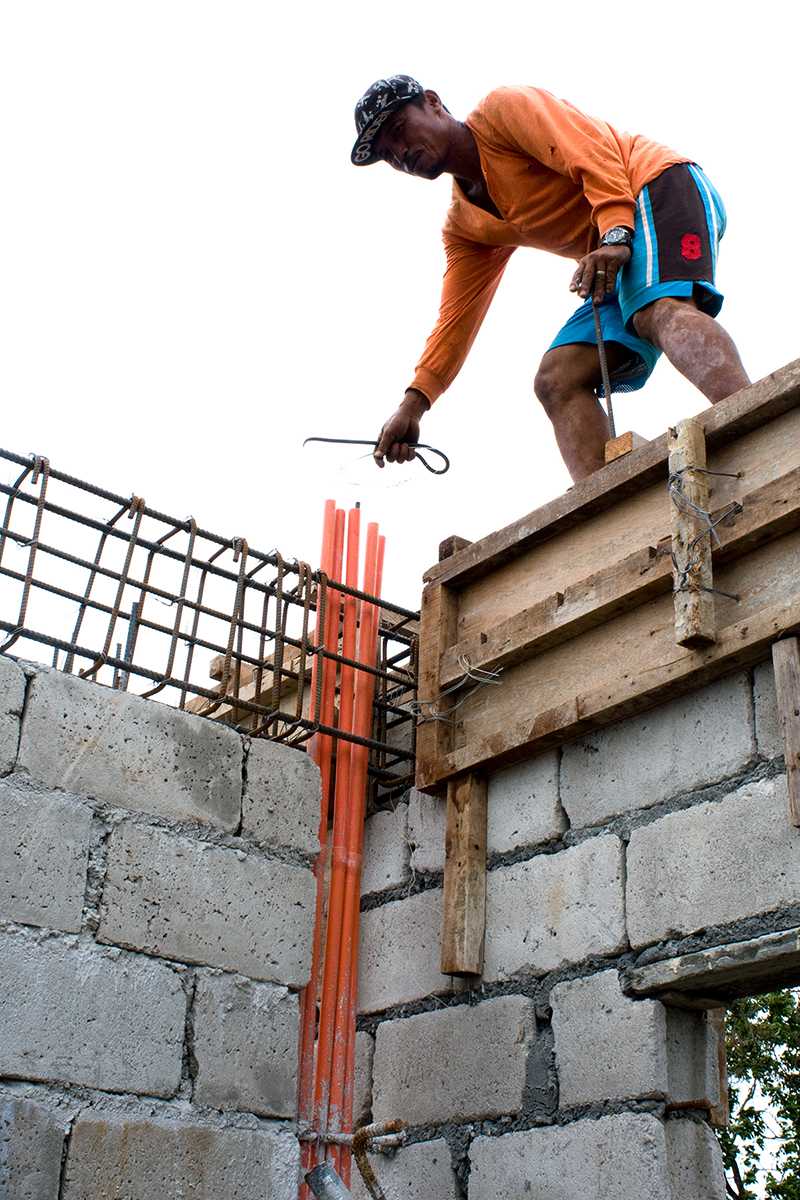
column 415, row 139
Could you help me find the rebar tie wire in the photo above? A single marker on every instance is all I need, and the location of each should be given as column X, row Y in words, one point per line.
column 414, row 446
column 418, row 708
column 685, row 506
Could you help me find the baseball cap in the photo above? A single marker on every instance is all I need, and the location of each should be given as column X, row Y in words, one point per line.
column 377, row 104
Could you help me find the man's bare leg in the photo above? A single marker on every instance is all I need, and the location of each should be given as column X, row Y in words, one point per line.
column 565, row 386
column 695, row 345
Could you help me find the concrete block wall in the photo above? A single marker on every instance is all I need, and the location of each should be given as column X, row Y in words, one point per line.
column 157, row 908
column 667, row 832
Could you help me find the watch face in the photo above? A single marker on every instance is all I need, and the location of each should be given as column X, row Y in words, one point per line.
column 615, row 235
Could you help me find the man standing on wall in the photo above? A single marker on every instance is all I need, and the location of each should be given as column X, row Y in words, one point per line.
column 643, row 222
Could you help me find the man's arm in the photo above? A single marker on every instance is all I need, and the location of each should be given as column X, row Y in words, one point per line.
column 471, row 278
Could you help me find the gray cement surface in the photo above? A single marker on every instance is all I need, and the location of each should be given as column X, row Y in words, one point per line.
column 177, row 898
column 245, row 1045
column 130, row 753
column 44, row 850
column 281, row 802
column 12, row 698
column 73, row 1014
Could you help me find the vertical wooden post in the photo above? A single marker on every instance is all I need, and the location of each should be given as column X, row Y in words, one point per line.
column 786, row 660
column 438, row 631
column 719, row 1115
column 464, row 915
column 691, row 539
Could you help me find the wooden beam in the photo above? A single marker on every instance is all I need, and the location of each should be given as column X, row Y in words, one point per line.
column 617, row 687
column 719, row 1113
column 464, row 909
column 451, row 545
column 438, row 630
column 562, row 615
column 623, row 443
column 691, row 537
column 786, row 660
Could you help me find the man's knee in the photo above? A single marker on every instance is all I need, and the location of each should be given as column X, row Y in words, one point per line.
column 548, row 384
column 649, row 321
column 563, row 371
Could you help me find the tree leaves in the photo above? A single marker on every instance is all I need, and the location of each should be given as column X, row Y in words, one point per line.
column 763, row 1047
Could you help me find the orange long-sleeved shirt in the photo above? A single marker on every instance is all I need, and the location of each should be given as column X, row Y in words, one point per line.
column 561, row 179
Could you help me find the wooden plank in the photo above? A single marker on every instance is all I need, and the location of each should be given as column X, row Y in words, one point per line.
column 438, row 630
column 691, row 537
column 464, row 906
column 719, row 1113
column 451, row 545
column 766, row 513
column 623, row 443
column 725, row 422
column 625, row 667
column 562, row 615
column 786, row 660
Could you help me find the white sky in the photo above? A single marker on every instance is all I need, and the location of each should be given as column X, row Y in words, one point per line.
column 194, row 278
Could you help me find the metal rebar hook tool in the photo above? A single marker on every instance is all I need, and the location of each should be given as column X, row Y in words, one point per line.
column 414, row 446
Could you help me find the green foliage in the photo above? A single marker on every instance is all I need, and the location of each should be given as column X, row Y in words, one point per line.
column 763, row 1045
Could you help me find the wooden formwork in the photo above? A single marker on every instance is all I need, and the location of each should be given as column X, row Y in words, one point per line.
column 574, row 605
column 574, row 602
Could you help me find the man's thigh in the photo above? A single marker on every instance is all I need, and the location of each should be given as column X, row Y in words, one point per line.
column 680, row 219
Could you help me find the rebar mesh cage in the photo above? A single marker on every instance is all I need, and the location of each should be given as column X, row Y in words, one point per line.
column 119, row 593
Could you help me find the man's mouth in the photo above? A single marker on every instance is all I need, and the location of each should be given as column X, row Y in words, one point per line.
column 411, row 162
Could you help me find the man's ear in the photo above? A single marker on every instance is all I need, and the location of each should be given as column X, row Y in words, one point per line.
column 433, row 100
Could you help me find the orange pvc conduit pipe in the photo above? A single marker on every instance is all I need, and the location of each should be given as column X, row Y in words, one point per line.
column 333, row 932
column 341, row 1103
column 321, row 750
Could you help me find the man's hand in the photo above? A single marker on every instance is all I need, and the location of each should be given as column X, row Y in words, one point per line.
column 402, row 428
column 596, row 275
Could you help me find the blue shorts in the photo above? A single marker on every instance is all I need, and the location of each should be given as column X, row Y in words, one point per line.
column 680, row 219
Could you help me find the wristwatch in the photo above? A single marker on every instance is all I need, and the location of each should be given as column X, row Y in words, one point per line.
column 618, row 236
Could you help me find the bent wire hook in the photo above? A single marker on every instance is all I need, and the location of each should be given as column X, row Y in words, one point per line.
column 413, row 445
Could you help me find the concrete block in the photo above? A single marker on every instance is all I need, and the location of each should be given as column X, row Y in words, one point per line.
column 768, row 723
column 692, row 1057
column 524, row 808
column 282, row 794
column 420, row 1171
column 176, row 898
column 425, row 1066
column 616, row 1158
column 555, row 908
column 400, row 950
column 74, row 1015
column 385, row 858
column 245, row 1045
column 687, row 743
column 713, row 863
column 130, row 753
column 362, row 1079
column 12, row 700
column 427, row 822
column 694, row 1162
column 44, row 847
column 607, row 1046
column 119, row 1155
column 31, row 1145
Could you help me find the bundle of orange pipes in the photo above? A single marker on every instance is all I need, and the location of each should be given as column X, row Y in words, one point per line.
column 328, row 1011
